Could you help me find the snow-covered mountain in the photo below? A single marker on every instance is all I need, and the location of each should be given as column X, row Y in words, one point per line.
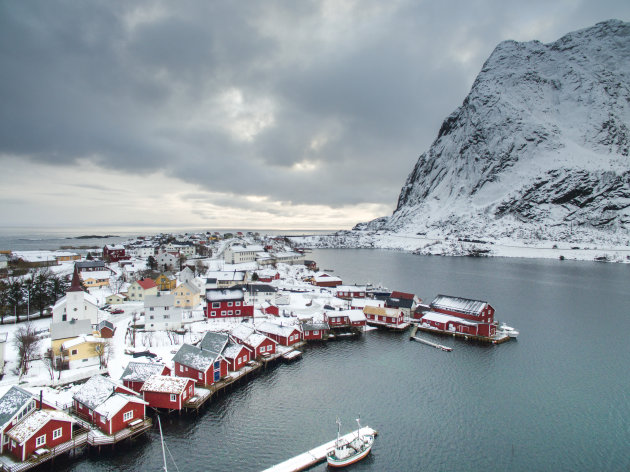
column 538, row 149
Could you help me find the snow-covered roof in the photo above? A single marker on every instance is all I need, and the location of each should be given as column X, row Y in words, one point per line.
column 89, row 264
column 353, row 315
column 12, row 402
column 115, row 403
column 115, row 247
column 195, row 358
column 141, row 371
column 152, row 301
column 326, row 278
column 276, row 329
column 234, row 276
column 69, row 329
column 400, row 302
column 363, row 302
column 232, row 350
column 315, row 326
column 165, row 384
column 35, row 256
column 236, row 249
column 81, row 340
column 188, row 285
column 30, row 425
column 442, row 318
column 214, row 342
column 381, row 311
column 96, row 390
column 215, row 294
column 248, row 335
column 95, row 274
column 461, row 305
column 350, row 288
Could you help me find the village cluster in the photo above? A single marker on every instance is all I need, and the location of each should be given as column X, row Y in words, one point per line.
column 150, row 325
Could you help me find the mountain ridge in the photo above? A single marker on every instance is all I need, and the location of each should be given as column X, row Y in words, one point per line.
column 539, row 147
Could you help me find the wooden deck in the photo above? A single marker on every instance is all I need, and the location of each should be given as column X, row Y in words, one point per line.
column 314, row 456
column 9, row 464
column 389, row 326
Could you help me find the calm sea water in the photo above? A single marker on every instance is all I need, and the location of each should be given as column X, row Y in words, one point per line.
column 557, row 399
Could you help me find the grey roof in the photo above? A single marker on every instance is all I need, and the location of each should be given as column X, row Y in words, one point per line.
column 141, row 371
column 214, row 342
column 159, row 300
column 12, row 402
column 95, row 391
column 69, row 329
column 458, row 304
column 90, row 265
column 105, row 324
column 192, row 356
column 399, row 302
column 315, row 326
column 256, row 288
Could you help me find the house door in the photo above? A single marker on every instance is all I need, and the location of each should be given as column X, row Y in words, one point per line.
column 217, row 375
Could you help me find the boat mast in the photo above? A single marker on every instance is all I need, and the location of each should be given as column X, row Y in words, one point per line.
column 338, row 430
column 162, row 441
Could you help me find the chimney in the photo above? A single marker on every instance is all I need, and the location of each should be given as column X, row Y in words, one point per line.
column 41, row 398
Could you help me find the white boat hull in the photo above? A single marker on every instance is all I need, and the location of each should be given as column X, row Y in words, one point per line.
column 335, row 462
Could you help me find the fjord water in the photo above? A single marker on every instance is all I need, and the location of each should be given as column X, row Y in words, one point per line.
column 556, row 399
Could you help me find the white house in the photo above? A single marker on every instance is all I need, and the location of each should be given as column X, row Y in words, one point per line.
column 167, row 261
column 238, row 254
column 160, row 313
column 76, row 305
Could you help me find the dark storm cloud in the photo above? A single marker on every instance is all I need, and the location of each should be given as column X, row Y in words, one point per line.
column 298, row 101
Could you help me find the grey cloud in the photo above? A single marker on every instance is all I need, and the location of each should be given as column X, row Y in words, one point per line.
column 76, row 83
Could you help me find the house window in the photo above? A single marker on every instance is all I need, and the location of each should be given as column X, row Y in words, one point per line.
column 166, row 317
column 315, row 333
column 237, row 304
column 151, row 308
column 238, row 312
column 128, row 415
column 213, row 313
column 57, row 433
column 166, row 308
column 40, row 441
column 173, row 397
column 74, row 352
column 216, row 305
column 230, row 313
column 200, row 376
column 230, row 303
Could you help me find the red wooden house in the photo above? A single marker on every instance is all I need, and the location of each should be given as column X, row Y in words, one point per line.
column 237, row 355
column 204, row 367
column 381, row 316
column 136, row 373
column 40, row 431
column 114, row 253
column 260, row 344
column 93, row 393
column 115, row 413
column 170, row 393
column 284, row 335
column 15, row 404
column 315, row 331
column 348, row 292
column 345, row 319
column 269, row 309
column 326, row 280
column 480, row 313
column 227, row 303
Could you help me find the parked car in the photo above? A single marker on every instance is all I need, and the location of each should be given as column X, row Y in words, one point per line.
column 117, row 311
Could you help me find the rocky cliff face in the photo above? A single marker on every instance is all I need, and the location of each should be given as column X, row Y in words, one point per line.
column 539, row 146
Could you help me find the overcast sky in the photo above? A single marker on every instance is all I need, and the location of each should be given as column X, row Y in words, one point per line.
column 241, row 114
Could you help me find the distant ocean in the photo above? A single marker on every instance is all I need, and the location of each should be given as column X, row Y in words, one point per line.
column 52, row 239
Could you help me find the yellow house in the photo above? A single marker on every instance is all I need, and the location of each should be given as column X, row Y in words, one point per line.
column 187, row 295
column 166, row 281
column 81, row 351
column 99, row 278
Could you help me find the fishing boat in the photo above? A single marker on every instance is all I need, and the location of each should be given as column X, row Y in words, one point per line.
column 349, row 452
column 511, row 332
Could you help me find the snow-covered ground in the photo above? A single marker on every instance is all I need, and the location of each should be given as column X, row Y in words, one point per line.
column 437, row 245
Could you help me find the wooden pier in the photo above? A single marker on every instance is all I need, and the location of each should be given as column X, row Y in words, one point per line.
column 389, row 326
column 314, row 456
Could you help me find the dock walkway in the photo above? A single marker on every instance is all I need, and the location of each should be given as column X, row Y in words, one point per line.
column 312, row 457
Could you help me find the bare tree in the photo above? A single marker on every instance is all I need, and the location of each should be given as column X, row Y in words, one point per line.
column 172, row 336
column 49, row 362
column 147, row 339
column 27, row 344
column 104, row 350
